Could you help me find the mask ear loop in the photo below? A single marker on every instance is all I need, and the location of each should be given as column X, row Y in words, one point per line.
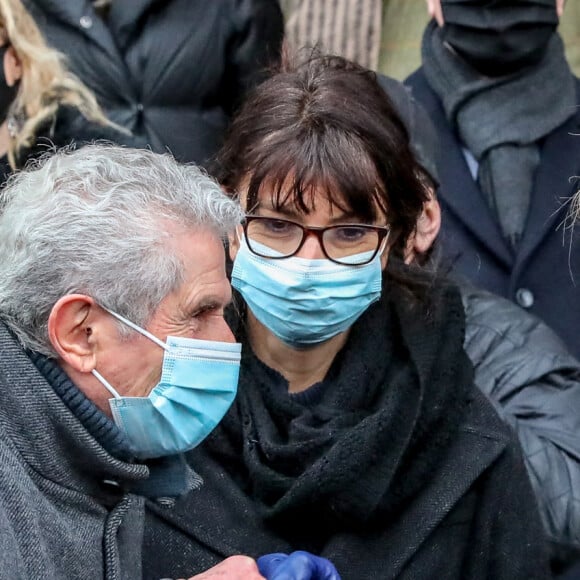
column 383, row 245
column 240, row 237
column 105, row 383
column 138, row 329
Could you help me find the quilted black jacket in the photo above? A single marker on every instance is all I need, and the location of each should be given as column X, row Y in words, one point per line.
column 171, row 71
column 534, row 384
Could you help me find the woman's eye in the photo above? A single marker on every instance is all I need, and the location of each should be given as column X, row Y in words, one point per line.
column 350, row 234
column 277, row 226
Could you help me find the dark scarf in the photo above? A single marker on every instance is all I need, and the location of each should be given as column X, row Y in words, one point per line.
column 502, row 119
column 368, row 442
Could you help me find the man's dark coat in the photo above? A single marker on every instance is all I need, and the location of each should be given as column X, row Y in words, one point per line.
column 544, row 275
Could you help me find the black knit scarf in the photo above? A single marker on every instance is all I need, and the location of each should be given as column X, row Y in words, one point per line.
column 502, row 119
column 386, row 412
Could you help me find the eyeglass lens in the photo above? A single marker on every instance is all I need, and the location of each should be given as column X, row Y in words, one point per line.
column 349, row 244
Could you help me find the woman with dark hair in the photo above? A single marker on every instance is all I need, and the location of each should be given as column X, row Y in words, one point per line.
column 357, row 432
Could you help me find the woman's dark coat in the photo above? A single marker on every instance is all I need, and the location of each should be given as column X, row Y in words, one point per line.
column 471, row 515
column 171, row 71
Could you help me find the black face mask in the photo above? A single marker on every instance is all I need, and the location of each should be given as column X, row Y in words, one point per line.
column 7, row 94
column 499, row 37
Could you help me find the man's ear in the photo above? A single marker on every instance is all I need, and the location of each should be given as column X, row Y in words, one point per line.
column 12, row 67
column 72, row 324
column 428, row 226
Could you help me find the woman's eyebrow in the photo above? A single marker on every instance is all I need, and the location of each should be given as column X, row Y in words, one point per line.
column 284, row 210
column 290, row 212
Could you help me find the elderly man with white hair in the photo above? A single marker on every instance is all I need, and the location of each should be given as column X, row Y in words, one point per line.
column 114, row 356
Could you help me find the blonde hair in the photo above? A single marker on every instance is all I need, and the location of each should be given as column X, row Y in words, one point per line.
column 45, row 84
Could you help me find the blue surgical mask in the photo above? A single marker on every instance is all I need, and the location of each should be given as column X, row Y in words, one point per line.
column 198, row 384
column 305, row 302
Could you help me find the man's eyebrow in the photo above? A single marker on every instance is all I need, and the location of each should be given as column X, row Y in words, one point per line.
column 209, row 303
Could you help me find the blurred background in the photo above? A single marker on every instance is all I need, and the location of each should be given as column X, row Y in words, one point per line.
column 385, row 35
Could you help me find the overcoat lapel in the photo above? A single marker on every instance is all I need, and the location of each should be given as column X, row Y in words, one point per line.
column 448, row 490
column 553, row 187
column 236, row 530
column 73, row 13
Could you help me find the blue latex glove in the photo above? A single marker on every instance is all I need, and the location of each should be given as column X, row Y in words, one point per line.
column 296, row 566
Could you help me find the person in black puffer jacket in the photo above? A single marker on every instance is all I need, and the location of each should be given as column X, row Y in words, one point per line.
column 534, row 384
column 170, row 71
column 520, row 364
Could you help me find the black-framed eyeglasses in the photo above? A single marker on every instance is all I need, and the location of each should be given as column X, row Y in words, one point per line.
column 348, row 244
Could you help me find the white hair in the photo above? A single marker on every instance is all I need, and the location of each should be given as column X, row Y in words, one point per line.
column 96, row 221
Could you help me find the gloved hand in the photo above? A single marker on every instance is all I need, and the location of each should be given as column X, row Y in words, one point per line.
column 296, row 566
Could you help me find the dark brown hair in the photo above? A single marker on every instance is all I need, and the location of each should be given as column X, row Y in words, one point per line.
column 326, row 123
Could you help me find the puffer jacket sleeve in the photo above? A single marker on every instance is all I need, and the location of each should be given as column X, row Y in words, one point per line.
column 534, row 384
column 255, row 45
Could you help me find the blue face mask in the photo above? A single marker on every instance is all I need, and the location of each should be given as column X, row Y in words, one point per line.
column 198, row 384
column 305, row 302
